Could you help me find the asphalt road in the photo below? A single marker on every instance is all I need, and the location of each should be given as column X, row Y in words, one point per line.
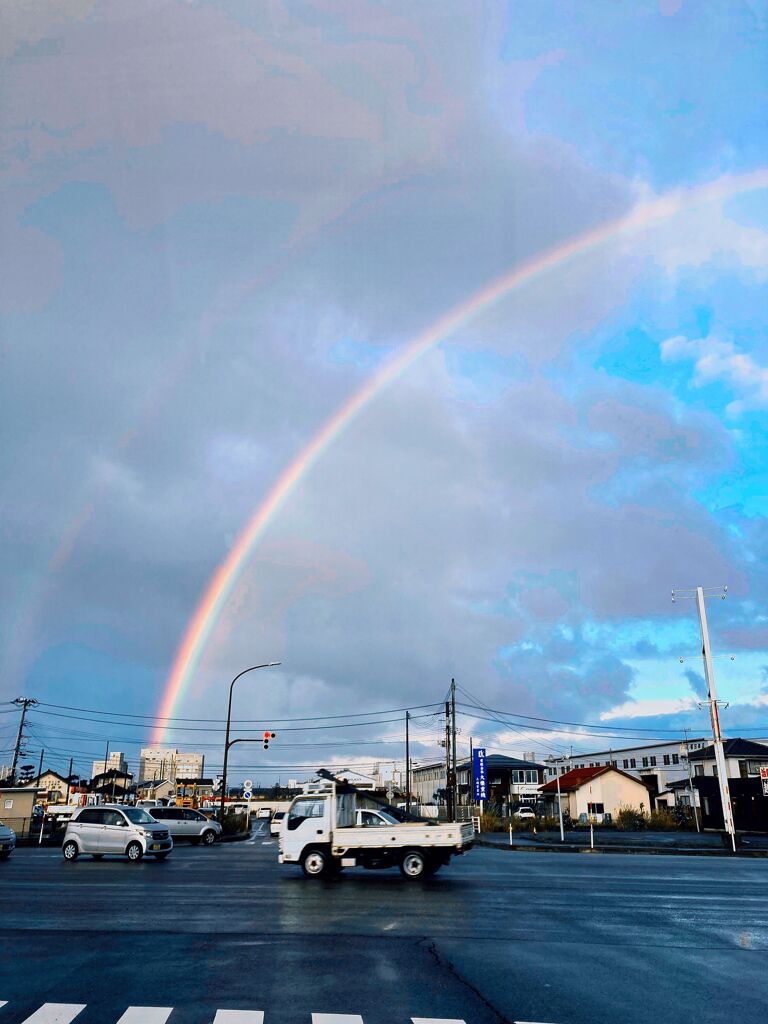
column 497, row 936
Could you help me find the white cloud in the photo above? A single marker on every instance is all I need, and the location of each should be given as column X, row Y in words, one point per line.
column 716, row 360
column 649, row 708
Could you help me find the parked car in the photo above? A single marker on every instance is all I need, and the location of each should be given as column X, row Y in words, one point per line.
column 7, row 841
column 185, row 823
column 524, row 813
column 274, row 825
column 264, row 812
column 115, row 829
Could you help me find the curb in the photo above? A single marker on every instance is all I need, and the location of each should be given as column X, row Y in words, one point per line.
column 679, row 851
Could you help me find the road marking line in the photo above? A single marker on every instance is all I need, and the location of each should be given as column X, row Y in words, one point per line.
column 436, row 1020
column 239, row 1017
column 336, row 1018
column 55, row 1013
column 146, row 1015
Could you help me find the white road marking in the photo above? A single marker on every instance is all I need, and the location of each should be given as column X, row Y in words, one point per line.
column 436, row 1020
column 55, row 1013
column 239, row 1017
column 146, row 1015
column 336, row 1018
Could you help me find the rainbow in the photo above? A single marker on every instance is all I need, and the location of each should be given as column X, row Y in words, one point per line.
column 223, row 581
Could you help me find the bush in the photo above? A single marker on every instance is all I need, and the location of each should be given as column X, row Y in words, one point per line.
column 489, row 822
column 661, row 820
column 630, row 819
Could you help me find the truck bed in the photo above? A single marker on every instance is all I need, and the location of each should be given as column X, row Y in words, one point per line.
column 458, row 836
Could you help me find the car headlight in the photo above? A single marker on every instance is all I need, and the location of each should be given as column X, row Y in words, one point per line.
column 147, row 834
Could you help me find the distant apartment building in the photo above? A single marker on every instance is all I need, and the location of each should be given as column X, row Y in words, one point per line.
column 170, row 764
column 115, row 762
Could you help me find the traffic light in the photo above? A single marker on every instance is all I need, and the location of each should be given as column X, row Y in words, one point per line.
column 267, row 737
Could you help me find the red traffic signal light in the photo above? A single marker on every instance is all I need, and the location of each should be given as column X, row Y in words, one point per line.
column 267, row 737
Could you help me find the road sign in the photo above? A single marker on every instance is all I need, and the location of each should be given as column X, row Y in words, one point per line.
column 247, row 794
column 764, row 778
column 248, row 784
column 479, row 773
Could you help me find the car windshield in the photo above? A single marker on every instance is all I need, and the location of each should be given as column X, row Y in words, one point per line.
column 138, row 816
column 388, row 818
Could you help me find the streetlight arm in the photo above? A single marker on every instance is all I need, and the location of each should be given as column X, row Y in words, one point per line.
column 227, row 744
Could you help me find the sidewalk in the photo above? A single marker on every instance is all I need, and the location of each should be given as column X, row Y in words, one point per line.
column 684, row 843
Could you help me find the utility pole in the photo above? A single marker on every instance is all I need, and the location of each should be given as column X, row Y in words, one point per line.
column 25, row 703
column 455, row 791
column 448, row 780
column 407, row 763
column 40, row 766
column 712, row 701
column 69, row 778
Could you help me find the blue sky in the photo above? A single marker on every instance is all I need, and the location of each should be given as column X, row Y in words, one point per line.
column 218, row 222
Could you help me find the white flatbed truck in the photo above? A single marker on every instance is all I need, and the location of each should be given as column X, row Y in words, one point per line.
column 325, row 831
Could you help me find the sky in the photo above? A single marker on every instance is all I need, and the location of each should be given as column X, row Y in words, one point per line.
column 220, row 220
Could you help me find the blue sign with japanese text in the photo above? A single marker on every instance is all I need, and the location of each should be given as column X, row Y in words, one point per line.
column 479, row 773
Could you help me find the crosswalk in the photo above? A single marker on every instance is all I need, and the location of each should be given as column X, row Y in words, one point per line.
column 64, row 1013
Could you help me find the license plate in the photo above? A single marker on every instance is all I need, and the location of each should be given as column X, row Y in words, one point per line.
column 156, row 846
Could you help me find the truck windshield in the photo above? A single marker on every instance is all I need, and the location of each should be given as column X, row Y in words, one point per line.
column 304, row 809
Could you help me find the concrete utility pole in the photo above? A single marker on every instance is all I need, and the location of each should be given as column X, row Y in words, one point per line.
column 25, row 703
column 448, row 781
column 712, row 701
column 455, row 792
column 69, row 779
column 407, row 763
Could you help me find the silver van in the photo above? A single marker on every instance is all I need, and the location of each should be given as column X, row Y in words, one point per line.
column 115, row 829
column 185, row 823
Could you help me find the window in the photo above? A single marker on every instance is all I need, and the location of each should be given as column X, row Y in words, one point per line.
column 653, row 762
column 645, row 762
column 698, row 769
column 632, row 762
column 625, row 762
column 675, row 759
column 303, row 809
column 531, row 775
column 112, row 818
column 595, row 808
column 193, row 816
column 666, row 759
column 90, row 816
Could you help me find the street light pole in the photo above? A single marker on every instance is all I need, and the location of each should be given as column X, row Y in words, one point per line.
column 268, row 664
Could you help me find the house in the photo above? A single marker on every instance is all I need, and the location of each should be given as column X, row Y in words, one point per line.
column 743, row 759
column 54, row 788
column 155, row 790
column 17, row 808
column 658, row 765
column 595, row 793
column 112, row 784
column 511, row 782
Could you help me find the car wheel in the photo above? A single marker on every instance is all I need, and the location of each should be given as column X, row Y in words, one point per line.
column 314, row 863
column 209, row 837
column 70, row 850
column 134, row 852
column 97, row 856
column 413, row 864
column 161, row 856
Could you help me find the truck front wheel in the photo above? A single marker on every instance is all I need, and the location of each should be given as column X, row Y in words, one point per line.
column 315, row 863
column 413, row 864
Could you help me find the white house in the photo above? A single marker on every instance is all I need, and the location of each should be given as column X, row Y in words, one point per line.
column 595, row 793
